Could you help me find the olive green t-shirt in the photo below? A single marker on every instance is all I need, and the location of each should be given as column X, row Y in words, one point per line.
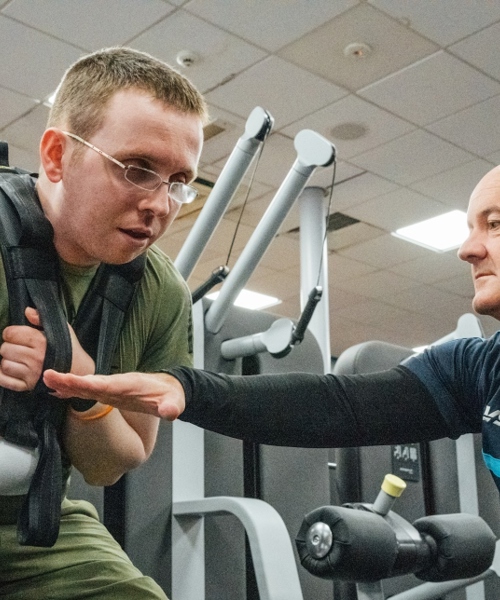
column 157, row 330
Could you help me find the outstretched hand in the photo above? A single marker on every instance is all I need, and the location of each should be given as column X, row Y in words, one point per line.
column 156, row 394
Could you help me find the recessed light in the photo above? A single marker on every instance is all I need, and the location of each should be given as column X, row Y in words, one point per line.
column 250, row 300
column 442, row 233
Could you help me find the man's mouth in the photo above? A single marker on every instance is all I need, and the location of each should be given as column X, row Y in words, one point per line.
column 482, row 274
column 138, row 234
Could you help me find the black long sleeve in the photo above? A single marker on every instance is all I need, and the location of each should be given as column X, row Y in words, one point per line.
column 306, row 410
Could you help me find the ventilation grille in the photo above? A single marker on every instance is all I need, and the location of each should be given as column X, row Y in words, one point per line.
column 336, row 221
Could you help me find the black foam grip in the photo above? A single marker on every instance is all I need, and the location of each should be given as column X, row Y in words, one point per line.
column 364, row 546
column 465, row 546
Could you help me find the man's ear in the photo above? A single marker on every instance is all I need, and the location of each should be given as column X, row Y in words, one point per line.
column 52, row 147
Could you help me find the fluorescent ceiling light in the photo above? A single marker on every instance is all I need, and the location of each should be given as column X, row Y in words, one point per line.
column 49, row 101
column 440, row 234
column 251, row 300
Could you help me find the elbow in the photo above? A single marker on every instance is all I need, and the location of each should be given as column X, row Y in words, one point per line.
column 110, row 472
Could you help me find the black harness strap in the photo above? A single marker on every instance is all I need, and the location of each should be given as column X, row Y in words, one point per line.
column 34, row 419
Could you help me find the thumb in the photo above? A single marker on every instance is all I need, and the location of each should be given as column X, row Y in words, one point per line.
column 32, row 316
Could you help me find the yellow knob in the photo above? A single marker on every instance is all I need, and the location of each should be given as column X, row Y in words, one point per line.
column 393, row 485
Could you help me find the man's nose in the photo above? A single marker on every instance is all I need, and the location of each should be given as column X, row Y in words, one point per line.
column 157, row 202
column 472, row 249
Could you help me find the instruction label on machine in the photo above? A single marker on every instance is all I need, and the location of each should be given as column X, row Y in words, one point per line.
column 406, row 461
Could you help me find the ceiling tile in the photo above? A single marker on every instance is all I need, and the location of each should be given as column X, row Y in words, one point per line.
column 384, row 251
column 454, row 187
column 475, row 128
column 283, row 253
column 435, row 267
column 414, row 156
column 343, row 268
column 322, row 51
column 373, row 312
column 220, row 54
column 278, row 156
column 24, row 159
column 419, row 299
column 13, row 106
column 344, row 172
column 38, row 60
column 379, row 125
column 25, row 133
column 222, row 144
column 494, row 157
column 270, row 25
column 282, row 285
column 343, row 298
column 379, row 284
column 477, row 49
column 397, row 209
column 445, row 21
column 358, row 189
column 461, row 284
column 352, row 235
column 270, row 84
column 431, row 89
column 91, row 24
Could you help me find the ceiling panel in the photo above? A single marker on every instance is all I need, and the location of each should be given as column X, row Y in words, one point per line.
column 13, row 105
column 38, row 60
column 91, row 24
column 218, row 54
column 477, row 49
column 475, row 128
column 323, row 51
column 454, row 186
column 436, row 267
column 353, row 125
column 411, row 93
column 383, row 251
column 412, row 157
column 272, row 84
column 270, row 25
column 445, row 21
column 396, row 209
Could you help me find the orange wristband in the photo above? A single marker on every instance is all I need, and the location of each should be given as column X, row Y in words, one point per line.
column 82, row 416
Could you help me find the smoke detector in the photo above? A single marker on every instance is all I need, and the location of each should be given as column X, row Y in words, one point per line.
column 187, row 58
column 357, row 50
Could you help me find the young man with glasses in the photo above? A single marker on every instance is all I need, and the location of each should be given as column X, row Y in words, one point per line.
column 121, row 148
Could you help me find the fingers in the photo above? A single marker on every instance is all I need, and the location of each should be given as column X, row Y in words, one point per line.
column 66, row 385
column 33, row 316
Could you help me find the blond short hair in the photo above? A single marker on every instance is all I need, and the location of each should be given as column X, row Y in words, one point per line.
column 90, row 82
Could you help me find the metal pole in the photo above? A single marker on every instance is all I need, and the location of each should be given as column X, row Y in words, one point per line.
column 257, row 128
column 314, row 262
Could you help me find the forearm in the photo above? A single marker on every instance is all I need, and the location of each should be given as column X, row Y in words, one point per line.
column 312, row 410
column 105, row 448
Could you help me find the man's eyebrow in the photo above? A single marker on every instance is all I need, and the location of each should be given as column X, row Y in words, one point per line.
column 486, row 212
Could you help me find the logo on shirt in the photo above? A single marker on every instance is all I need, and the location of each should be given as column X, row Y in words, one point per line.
column 494, row 415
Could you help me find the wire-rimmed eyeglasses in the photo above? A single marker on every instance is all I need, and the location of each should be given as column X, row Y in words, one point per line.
column 145, row 179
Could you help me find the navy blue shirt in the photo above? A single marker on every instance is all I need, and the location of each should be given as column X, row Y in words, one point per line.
column 463, row 377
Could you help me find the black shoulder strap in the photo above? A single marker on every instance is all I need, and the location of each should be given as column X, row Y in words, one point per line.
column 106, row 303
column 4, row 154
column 31, row 266
column 33, row 279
